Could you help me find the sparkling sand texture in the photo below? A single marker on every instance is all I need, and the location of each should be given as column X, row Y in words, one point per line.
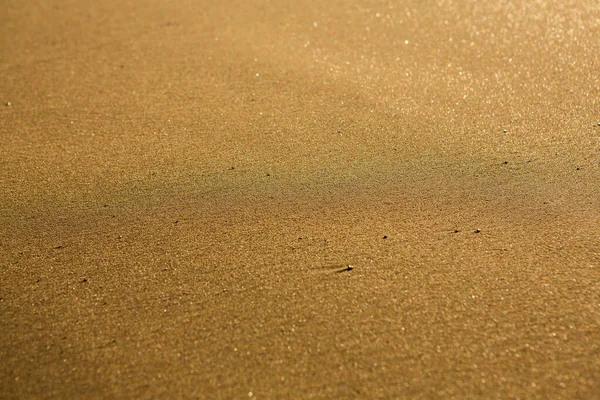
column 300, row 199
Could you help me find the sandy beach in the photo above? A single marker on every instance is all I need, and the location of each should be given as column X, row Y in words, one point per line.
column 282, row 200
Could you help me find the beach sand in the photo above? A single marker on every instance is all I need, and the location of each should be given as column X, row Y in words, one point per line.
column 183, row 185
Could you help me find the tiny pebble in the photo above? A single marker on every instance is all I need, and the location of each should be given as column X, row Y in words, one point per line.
column 385, row 236
column 477, row 231
column 8, row 104
column 505, row 131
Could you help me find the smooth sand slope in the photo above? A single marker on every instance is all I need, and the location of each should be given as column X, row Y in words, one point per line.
column 183, row 184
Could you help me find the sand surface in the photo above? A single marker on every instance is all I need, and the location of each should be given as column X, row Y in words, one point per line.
column 183, row 184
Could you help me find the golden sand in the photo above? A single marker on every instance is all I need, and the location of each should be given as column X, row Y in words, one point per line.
column 183, row 185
